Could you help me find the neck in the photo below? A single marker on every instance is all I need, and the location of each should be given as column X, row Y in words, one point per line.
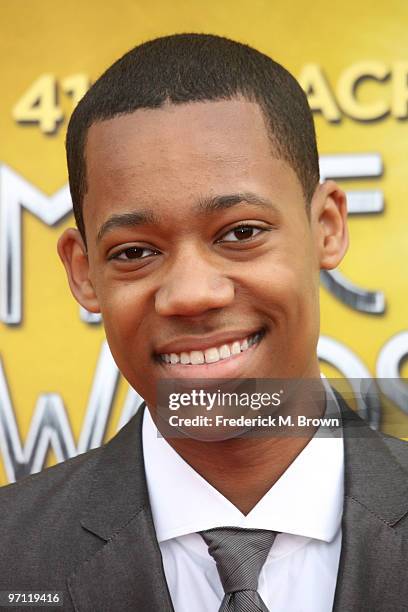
column 243, row 469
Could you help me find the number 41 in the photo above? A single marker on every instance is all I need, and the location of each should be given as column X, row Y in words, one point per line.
column 40, row 103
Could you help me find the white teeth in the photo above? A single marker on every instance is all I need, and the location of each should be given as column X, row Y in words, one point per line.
column 235, row 348
column 224, row 351
column 196, row 357
column 211, row 355
column 244, row 345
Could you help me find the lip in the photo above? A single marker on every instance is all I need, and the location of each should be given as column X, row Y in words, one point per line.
column 232, row 367
column 192, row 343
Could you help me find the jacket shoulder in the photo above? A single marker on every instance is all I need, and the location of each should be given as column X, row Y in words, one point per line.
column 55, row 479
column 398, row 448
column 40, row 530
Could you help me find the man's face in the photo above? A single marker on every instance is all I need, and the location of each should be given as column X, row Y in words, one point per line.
column 200, row 248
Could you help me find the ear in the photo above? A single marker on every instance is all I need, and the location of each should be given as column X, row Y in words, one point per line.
column 329, row 222
column 74, row 256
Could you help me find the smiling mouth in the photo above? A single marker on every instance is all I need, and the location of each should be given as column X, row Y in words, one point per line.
column 213, row 354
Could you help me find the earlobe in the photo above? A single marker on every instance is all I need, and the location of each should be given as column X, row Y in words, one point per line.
column 330, row 217
column 73, row 254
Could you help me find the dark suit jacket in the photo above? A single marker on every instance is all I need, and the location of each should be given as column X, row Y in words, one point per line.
column 84, row 527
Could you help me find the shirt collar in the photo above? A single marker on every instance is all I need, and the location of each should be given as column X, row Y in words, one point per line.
column 306, row 500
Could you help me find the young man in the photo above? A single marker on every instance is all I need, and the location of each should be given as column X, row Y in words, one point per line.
column 202, row 228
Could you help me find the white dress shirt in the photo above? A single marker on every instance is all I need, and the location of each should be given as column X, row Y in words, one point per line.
column 305, row 505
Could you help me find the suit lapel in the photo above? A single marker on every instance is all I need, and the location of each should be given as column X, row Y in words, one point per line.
column 372, row 569
column 126, row 573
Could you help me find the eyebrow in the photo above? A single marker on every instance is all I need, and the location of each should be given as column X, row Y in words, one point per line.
column 221, row 202
column 204, row 206
column 129, row 219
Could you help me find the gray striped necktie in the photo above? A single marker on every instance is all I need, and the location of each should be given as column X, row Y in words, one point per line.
column 239, row 555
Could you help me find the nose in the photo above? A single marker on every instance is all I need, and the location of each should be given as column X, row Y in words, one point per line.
column 193, row 286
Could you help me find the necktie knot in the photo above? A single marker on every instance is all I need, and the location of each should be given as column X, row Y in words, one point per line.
column 239, row 555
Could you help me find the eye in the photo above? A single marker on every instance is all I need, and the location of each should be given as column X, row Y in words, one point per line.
column 241, row 233
column 132, row 253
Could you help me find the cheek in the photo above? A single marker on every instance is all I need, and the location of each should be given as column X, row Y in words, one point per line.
column 123, row 309
column 124, row 318
column 285, row 290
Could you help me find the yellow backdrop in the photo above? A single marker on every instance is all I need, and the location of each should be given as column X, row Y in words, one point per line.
column 351, row 57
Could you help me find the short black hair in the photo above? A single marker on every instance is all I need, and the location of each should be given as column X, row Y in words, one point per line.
column 185, row 68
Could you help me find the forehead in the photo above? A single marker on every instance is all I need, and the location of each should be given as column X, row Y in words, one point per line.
column 216, row 131
column 178, row 153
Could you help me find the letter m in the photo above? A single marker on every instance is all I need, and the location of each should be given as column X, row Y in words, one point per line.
column 17, row 193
